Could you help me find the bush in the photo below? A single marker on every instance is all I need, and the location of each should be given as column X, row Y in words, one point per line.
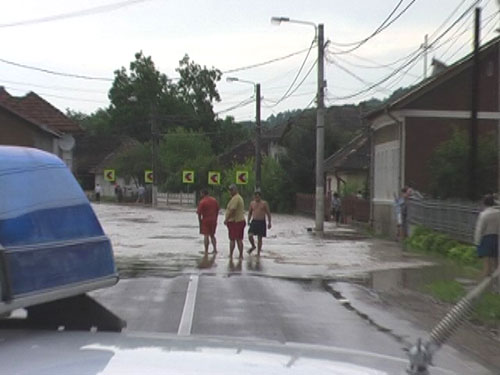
column 426, row 240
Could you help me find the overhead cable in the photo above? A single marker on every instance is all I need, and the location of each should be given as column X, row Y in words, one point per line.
column 377, row 31
column 265, row 62
column 48, row 71
column 79, row 13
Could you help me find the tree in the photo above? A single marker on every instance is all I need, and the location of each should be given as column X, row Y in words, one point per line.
column 299, row 160
column 450, row 160
column 95, row 124
column 229, row 133
column 132, row 163
column 197, row 87
column 144, row 95
column 183, row 149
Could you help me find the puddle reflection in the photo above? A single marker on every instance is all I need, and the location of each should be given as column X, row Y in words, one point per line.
column 418, row 278
column 208, row 261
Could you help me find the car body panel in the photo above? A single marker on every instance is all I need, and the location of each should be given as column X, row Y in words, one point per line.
column 50, row 237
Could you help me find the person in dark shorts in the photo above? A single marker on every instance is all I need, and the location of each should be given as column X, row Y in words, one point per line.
column 257, row 213
column 486, row 235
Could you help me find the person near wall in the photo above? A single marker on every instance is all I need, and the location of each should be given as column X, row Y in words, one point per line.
column 336, row 207
column 401, row 210
column 97, row 191
column 486, row 235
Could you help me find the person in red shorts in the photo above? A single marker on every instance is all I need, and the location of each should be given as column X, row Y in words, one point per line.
column 235, row 220
column 208, row 211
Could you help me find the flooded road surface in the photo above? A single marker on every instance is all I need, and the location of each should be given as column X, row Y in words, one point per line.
column 168, row 284
column 166, row 242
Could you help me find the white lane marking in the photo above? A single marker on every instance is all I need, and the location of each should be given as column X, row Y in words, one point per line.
column 188, row 312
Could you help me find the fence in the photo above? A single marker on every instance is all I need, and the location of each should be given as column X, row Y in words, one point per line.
column 180, row 199
column 352, row 208
column 306, row 203
column 458, row 220
column 356, row 209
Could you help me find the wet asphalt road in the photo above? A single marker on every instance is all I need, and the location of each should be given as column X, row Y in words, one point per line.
column 288, row 295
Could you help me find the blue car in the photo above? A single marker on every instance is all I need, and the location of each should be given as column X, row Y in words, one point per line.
column 51, row 243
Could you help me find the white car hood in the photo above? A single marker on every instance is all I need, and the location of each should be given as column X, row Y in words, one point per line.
column 82, row 353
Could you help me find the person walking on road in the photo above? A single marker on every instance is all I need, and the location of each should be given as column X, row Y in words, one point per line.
column 257, row 213
column 208, row 211
column 486, row 235
column 235, row 220
column 336, row 207
column 141, row 194
column 97, row 191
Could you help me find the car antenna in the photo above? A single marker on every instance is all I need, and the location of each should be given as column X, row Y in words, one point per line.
column 421, row 354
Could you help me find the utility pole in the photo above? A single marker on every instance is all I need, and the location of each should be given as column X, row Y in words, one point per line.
column 258, row 129
column 320, row 136
column 154, row 148
column 474, row 110
column 425, row 46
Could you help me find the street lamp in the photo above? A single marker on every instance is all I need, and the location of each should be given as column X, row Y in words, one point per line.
column 320, row 120
column 258, row 156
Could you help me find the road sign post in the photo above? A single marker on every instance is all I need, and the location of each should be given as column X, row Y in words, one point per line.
column 188, row 177
column 109, row 175
column 241, row 177
column 213, row 178
column 148, row 176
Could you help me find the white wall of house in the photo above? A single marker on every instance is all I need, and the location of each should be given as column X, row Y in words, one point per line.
column 387, row 170
column 385, row 186
column 275, row 150
column 108, row 188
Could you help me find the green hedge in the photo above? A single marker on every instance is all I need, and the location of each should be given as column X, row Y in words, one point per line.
column 427, row 240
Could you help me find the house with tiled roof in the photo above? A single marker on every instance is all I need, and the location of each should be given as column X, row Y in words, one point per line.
column 31, row 121
column 349, row 166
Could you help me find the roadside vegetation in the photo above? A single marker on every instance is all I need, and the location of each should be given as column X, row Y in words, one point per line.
column 424, row 240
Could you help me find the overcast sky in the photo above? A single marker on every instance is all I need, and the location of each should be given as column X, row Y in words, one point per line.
column 227, row 35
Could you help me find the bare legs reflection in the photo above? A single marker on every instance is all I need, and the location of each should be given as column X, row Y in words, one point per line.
column 208, row 261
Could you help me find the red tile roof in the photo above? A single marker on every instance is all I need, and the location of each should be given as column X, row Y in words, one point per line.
column 34, row 108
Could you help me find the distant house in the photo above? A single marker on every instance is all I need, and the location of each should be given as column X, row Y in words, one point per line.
column 407, row 131
column 270, row 146
column 95, row 154
column 349, row 166
column 31, row 121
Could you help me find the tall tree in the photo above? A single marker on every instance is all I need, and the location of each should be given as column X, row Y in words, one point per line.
column 197, row 87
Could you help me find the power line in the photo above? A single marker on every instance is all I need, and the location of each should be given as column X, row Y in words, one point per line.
column 265, row 62
column 48, row 71
column 298, row 86
column 296, row 75
column 449, row 18
column 79, row 13
column 60, row 97
column 64, row 88
column 373, row 33
column 241, row 104
column 381, row 28
column 406, row 64
column 352, row 74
